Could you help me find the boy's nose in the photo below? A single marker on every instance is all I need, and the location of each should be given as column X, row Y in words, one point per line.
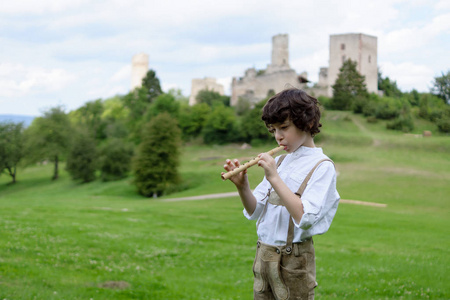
column 278, row 137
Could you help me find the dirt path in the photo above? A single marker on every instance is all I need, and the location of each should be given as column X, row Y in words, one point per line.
column 376, row 142
column 235, row 194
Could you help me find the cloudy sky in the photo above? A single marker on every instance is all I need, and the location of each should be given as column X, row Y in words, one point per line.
column 69, row 52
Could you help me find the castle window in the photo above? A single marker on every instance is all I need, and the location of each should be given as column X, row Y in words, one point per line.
column 343, row 58
column 370, row 58
column 342, row 46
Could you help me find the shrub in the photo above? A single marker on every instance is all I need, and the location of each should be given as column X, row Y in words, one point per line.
column 403, row 123
column 325, row 102
column 115, row 160
column 220, row 127
column 156, row 163
column 81, row 161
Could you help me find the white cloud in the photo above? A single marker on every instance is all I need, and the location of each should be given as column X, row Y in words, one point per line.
column 38, row 7
column 409, row 75
column 17, row 80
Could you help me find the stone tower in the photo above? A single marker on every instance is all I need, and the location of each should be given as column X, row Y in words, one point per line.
column 139, row 69
column 358, row 47
column 280, row 53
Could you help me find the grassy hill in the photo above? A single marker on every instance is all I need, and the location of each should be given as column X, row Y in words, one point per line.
column 62, row 240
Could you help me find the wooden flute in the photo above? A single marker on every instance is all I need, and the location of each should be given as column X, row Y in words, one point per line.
column 250, row 163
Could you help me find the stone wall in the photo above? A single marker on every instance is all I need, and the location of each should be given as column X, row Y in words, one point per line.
column 207, row 83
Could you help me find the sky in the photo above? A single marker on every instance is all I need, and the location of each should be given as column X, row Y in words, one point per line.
column 66, row 53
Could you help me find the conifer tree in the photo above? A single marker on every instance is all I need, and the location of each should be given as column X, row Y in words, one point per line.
column 349, row 87
column 156, row 162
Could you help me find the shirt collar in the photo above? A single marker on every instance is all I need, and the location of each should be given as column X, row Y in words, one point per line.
column 304, row 151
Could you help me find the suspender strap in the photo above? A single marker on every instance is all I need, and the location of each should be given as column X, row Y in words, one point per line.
column 290, row 236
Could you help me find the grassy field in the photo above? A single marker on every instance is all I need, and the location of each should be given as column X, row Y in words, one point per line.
column 62, row 240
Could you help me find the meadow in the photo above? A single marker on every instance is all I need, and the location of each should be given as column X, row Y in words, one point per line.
column 63, row 240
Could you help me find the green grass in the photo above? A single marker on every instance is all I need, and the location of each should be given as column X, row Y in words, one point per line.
column 62, row 240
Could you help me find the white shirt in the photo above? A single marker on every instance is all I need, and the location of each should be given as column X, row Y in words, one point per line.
column 320, row 198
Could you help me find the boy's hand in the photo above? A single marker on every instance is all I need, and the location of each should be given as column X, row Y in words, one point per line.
column 268, row 163
column 240, row 180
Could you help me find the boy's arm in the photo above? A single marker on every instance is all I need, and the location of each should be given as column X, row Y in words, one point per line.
column 292, row 202
column 248, row 199
column 242, row 185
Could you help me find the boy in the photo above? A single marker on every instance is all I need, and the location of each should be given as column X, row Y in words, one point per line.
column 296, row 199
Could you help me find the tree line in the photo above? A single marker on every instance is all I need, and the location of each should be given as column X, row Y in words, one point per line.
column 141, row 132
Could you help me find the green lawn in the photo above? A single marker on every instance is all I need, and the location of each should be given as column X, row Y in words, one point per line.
column 62, row 240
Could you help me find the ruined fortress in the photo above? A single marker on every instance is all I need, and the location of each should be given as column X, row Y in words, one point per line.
column 255, row 85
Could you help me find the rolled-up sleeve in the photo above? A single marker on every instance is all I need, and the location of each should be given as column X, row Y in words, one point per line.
column 260, row 193
column 319, row 196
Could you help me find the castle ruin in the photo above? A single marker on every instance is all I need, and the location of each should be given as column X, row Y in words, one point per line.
column 207, row 83
column 255, row 85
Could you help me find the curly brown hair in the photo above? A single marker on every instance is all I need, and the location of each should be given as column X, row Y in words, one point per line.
column 295, row 105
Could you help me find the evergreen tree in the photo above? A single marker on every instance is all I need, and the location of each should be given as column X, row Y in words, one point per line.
column 156, row 163
column 151, row 85
column 81, row 161
column 348, row 87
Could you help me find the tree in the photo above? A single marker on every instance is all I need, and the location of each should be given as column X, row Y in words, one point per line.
column 48, row 137
column 253, row 128
column 82, row 158
column 156, row 163
column 163, row 103
column 90, row 116
column 151, row 85
column 115, row 160
column 220, row 126
column 193, row 119
column 11, row 148
column 212, row 98
column 388, row 87
column 441, row 87
column 348, row 87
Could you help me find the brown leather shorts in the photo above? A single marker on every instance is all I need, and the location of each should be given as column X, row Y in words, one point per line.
column 283, row 273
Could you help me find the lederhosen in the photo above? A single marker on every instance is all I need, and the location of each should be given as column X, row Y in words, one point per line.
column 285, row 272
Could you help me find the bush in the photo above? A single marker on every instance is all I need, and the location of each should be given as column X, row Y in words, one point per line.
column 220, row 127
column 156, row 163
column 193, row 119
column 115, row 160
column 388, row 108
column 81, row 161
column 403, row 123
column 443, row 123
column 253, row 127
column 325, row 102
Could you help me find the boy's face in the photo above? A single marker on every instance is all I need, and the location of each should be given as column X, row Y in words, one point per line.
column 290, row 136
